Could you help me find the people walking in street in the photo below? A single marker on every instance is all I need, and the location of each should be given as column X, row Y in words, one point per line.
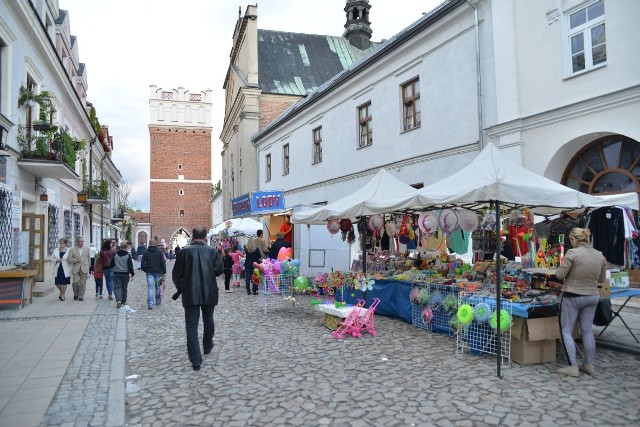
column 277, row 245
column 62, row 267
column 176, row 251
column 93, row 252
column 254, row 250
column 122, row 272
column 154, row 265
column 79, row 258
column 194, row 275
column 106, row 260
column 236, row 269
column 140, row 252
column 227, row 261
column 582, row 269
column 98, row 276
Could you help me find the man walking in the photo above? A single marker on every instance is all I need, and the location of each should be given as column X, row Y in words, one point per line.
column 122, row 271
column 140, row 252
column 194, row 275
column 93, row 252
column 79, row 260
column 154, row 265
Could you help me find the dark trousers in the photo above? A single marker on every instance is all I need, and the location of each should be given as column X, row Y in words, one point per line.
column 227, row 279
column 120, row 285
column 93, row 262
column 98, row 286
column 191, row 320
column 247, row 279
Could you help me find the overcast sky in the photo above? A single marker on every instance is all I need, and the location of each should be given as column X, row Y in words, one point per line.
column 129, row 44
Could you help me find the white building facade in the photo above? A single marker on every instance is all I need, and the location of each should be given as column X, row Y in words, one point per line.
column 550, row 82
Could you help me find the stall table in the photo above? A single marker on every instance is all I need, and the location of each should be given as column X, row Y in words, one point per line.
column 16, row 287
column 628, row 293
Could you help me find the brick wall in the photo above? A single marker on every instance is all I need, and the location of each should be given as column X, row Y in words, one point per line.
column 269, row 110
column 174, row 152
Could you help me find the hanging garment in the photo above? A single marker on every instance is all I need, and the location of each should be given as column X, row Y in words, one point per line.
column 607, row 232
column 459, row 242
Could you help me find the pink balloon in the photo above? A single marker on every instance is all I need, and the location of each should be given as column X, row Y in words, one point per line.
column 277, row 267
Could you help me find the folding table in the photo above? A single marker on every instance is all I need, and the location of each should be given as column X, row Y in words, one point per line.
column 629, row 293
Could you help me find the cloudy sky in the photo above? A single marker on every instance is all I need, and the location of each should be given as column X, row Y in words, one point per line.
column 129, row 44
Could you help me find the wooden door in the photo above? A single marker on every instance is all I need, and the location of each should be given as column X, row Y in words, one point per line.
column 34, row 224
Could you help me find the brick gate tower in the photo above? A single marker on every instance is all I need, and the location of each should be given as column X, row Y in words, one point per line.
column 180, row 175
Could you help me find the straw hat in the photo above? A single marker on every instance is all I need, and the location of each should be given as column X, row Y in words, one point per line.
column 468, row 220
column 333, row 226
column 428, row 222
column 448, row 220
column 375, row 222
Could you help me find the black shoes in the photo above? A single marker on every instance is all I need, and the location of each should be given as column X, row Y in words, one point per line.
column 80, row 299
column 196, row 367
column 75, row 297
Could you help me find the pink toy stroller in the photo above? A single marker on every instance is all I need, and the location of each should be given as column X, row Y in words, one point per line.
column 350, row 324
column 365, row 323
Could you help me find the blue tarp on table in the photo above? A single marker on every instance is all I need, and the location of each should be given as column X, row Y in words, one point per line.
column 394, row 298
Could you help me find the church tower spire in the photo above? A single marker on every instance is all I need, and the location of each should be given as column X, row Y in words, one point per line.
column 358, row 28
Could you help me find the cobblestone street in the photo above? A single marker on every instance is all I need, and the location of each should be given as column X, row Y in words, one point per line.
column 285, row 368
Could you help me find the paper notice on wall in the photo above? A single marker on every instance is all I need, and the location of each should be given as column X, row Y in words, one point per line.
column 20, row 247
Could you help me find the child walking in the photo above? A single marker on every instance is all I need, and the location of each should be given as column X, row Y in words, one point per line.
column 227, row 262
column 236, row 269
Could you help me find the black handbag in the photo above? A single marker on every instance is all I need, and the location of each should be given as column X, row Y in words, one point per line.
column 604, row 313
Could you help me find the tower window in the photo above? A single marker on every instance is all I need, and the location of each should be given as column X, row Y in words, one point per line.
column 180, row 167
column 181, row 213
column 181, row 192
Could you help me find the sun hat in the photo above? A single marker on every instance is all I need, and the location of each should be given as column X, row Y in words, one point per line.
column 505, row 320
column 414, row 295
column 465, row 314
column 375, row 222
column 448, row 220
column 427, row 315
column 468, row 220
column 333, row 226
column 482, row 312
column 345, row 225
column 428, row 222
column 390, row 228
column 450, row 303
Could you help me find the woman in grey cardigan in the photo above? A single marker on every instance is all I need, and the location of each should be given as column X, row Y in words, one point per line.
column 582, row 269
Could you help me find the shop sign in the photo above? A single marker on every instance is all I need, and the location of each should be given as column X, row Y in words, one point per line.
column 267, row 201
column 11, row 291
column 241, row 205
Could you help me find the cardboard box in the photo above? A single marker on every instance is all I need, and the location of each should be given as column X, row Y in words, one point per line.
column 605, row 290
column 634, row 278
column 619, row 280
column 534, row 340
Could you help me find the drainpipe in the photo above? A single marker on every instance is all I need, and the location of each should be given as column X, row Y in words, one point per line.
column 478, row 73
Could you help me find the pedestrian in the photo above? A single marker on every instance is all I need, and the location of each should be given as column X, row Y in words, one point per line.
column 254, row 250
column 236, row 269
column 194, row 275
column 154, row 265
column 140, row 252
column 63, row 270
column 79, row 259
column 582, row 269
column 277, row 245
column 106, row 261
column 122, row 272
column 98, row 276
column 92, row 254
column 227, row 262
column 287, row 230
column 177, row 250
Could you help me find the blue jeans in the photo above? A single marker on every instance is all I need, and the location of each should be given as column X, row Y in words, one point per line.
column 154, row 281
column 108, row 278
column 191, row 320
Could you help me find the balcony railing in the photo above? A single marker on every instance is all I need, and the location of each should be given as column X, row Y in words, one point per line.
column 97, row 192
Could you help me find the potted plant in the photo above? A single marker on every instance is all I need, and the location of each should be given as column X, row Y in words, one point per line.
column 43, row 99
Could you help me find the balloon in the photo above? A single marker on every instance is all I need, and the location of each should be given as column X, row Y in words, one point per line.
column 296, row 262
column 285, row 253
column 301, row 283
column 277, row 266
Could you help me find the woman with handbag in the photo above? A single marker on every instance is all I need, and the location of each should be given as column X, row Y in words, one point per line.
column 583, row 269
column 62, row 268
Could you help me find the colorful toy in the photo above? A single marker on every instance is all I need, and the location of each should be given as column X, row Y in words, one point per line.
column 365, row 323
column 349, row 325
column 427, row 315
column 482, row 312
column 465, row 314
column 505, row 320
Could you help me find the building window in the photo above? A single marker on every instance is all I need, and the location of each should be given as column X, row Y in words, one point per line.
column 181, row 213
column 285, row 159
column 181, row 192
column 180, row 167
column 317, row 145
column 587, row 40
column 365, row 138
column 268, row 167
column 411, row 104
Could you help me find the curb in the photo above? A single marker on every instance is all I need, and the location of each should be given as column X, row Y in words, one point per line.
column 117, row 380
column 623, row 348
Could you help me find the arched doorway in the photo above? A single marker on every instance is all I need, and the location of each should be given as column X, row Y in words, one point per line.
column 180, row 237
column 607, row 165
column 142, row 238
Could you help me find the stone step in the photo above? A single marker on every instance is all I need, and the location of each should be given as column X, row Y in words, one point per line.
column 41, row 289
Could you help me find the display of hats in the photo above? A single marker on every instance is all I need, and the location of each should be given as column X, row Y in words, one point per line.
column 482, row 312
column 467, row 220
column 465, row 314
column 390, row 228
column 448, row 220
column 505, row 320
column 435, row 300
column 375, row 222
column 333, row 226
column 345, row 225
column 423, row 296
column 413, row 296
column 428, row 221
column 427, row 315
column 434, row 242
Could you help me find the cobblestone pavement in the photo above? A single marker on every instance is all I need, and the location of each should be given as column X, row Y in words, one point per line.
column 285, row 368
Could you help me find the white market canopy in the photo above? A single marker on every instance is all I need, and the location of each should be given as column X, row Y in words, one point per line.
column 383, row 186
column 237, row 227
column 492, row 176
